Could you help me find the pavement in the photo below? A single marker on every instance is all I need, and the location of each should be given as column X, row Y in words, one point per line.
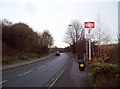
column 72, row 77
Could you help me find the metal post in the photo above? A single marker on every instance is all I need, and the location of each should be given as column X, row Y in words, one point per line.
column 89, row 54
column 89, row 50
column 87, row 58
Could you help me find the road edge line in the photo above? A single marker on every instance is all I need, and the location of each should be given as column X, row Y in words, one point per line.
column 59, row 74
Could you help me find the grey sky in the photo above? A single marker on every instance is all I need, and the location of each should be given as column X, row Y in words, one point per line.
column 56, row 15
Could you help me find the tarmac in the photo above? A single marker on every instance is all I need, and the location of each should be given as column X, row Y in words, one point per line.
column 7, row 67
column 73, row 77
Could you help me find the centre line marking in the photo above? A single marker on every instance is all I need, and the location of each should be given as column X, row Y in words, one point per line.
column 3, row 81
column 41, row 67
column 25, row 73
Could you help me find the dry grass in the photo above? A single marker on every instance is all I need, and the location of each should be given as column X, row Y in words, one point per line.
column 12, row 56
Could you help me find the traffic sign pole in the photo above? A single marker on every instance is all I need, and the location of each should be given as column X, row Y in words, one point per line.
column 89, row 49
column 89, row 25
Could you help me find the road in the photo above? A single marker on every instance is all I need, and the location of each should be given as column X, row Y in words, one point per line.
column 72, row 77
column 39, row 74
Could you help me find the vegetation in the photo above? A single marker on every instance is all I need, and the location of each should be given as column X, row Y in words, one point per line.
column 106, row 74
column 20, row 42
column 106, row 66
column 108, row 53
column 119, row 52
column 105, row 55
column 75, row 38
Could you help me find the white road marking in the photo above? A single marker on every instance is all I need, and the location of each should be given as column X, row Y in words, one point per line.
column 56, row 78
column 49, row 63
column 25, row 73
column 3, row 81
column 41, row 67
column 52, row 61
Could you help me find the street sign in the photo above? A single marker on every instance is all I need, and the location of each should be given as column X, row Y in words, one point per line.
column 89, row 36
column 89, row 25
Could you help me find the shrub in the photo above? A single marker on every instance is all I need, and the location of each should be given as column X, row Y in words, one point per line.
column 106, row 74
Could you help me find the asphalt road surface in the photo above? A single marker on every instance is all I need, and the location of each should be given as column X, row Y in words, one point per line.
column 39, row 74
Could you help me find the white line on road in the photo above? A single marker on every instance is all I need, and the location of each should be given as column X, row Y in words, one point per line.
column 3, row 81
column 49, row 63
column 53, row 61
column 41, row 67
column 25, row 73
column 59, row 74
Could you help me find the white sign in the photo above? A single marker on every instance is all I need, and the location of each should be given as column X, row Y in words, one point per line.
column 89, row 36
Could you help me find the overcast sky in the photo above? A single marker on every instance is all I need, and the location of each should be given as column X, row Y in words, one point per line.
column 56, row 15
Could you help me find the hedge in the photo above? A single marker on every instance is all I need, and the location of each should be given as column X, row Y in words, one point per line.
column 107, row 73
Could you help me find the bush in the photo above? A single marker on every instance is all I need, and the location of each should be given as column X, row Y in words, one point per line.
column 106, row 74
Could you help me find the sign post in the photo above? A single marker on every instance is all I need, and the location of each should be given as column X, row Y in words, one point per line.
column 89, row 26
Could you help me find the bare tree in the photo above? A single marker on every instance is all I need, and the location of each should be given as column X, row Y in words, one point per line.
column 102, row 37
column 106, row 39
column 73, row 33
column 100, row 33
